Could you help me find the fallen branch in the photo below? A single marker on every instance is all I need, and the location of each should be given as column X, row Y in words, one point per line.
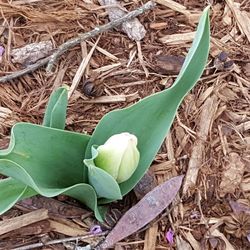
column 72, row 42
column 51, row 60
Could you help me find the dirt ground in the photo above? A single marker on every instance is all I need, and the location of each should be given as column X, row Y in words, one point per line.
column 210, row 135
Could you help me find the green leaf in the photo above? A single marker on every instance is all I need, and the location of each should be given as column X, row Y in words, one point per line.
column 104, row 184
column 12, row 191
column 55, row 115
column 52, row 157
column 151, row 118
column 48, row 160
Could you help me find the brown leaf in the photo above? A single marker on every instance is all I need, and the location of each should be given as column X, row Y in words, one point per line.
column 151, row 205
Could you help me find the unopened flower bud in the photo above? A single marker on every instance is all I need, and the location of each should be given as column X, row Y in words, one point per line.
column 119, row 156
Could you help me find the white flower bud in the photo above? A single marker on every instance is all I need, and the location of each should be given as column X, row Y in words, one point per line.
column 119, row 156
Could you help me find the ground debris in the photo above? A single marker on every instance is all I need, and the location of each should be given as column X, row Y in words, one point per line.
column 232, row 174
column 123, row 72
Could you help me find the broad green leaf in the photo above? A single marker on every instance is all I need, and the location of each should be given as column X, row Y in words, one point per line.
column 151, row 118
column 104, row 184
column 11, row 191
column 52, row 157
column 50, row 161
column 55, row 115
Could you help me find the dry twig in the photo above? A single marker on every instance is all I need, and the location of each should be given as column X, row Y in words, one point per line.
column 58, row 241
column 51, row 60
column 72, row 42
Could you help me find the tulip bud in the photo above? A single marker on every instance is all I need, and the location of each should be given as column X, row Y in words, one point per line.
column 119, row 156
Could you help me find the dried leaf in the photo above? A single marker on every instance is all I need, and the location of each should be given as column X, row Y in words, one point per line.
column 144, row 211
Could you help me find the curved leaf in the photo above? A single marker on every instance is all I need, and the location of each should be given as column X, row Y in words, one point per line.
column 35, row 148
column 50, row 161
column 104, row 184
column 55, row 114
column 151, row 118
column 11, row 192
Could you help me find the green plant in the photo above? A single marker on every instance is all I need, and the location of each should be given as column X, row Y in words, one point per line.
column 49, row 160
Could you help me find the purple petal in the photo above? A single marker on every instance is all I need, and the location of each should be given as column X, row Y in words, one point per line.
column 96, row 229
column 170, row 236
column 1, row 50
column 248, row 237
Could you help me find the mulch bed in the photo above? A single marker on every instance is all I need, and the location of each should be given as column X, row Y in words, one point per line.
column 209, row 134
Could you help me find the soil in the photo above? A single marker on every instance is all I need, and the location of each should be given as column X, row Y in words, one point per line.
column 213, row 213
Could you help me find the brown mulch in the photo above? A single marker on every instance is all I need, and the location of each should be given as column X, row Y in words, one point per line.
column 212, row 124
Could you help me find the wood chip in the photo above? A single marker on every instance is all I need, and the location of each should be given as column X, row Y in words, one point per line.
column 174, row 6
column 107, row 68
column 227, row 16
column 182, row 244
column 55, row 207
column 180, row 38
column 23, row 220
column 206, row 119
column 107, row 99
column 169, row 64
column 113, row 98
column 145, row 185
column 104, row 52
column 151, row 237
column 133, row 28
column 4, row 114
column 241, row 17
column 70, row 230
column 232, row 174
column 217, row 233
column 192, row 17
column 81, row 69
column 192, row 241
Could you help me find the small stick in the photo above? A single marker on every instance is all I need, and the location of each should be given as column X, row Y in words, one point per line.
column 25, row 71
column 74, row 41
column 51, row 60
column 77, row 238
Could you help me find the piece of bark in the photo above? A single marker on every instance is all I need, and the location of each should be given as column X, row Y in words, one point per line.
column 23, row 220
column 241, row 17
column 133, row 28
column 232, row 174
column 145, row 185
column 4, row 114
column 168, row 64
column 69, row 230
column 151, row 237
column 180, row 38
column 38, row 228
column 31, row 53
column 206, row 119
